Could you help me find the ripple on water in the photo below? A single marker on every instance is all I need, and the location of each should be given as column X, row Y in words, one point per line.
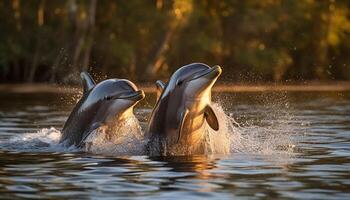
column 262, row 164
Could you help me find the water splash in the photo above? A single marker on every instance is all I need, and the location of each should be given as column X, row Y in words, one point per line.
column 274, row 134
column 45, row 140
column 124, row 138
column 273, row 137
column 219, row 142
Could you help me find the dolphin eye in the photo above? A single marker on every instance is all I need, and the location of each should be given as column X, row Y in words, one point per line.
column 179, row 82
column 108, row 98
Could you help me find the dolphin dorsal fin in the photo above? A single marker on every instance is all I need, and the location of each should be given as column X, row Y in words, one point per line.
column 182, row 122
column 211, row 118
column 88, row 82
column 160, row 87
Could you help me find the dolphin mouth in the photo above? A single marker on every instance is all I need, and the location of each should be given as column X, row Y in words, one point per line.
column 138, row 95
column 211, row 73
column 133, row 95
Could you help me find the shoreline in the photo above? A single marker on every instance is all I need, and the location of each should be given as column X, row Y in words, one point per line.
column 305, row 87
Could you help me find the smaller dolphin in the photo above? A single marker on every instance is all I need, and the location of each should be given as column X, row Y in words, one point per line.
column 184, row 104
column 107, row 102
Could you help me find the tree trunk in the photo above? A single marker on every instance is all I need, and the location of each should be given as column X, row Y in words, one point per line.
column 35, row 60
column 322, row 46
column 54, row 68
column 90, row 34
column 180, row 14
column 16, row 5
column 132, row 67
column 160, row 56
column 75, row 43
column 34, row 64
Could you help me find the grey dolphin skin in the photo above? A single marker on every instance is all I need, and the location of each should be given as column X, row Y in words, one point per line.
column 177, row 121
column 101, row 104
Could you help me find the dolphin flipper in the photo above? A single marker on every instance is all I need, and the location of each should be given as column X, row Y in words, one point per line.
column 211, row 118
column 160, row 87
column 88, row 82
column 182, row 122
column 93, row 127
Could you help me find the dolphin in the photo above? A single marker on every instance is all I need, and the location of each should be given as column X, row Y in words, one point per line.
column 107, row 102
column 183, row 105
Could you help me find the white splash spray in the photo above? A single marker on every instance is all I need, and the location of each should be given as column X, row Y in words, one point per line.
column 127, row 138
column 219, row 142
column 124, row 138
column 276, row 138
column 45, row 140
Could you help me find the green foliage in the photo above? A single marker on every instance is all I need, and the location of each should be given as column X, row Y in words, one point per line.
column 274, row 40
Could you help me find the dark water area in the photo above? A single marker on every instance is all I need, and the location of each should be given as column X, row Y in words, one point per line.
column 293, row 145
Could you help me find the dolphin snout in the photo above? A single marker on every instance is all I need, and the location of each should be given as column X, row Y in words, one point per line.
column 140, row 94
column 133, row 95
column 216, row 71
column 210, row 73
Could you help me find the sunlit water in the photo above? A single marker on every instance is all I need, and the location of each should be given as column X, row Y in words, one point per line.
column 271, row 145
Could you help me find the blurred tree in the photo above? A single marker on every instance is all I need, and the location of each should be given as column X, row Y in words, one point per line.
column 179, row 16
column 254, row 40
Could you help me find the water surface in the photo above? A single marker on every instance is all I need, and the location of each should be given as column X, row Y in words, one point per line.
column 292, row 146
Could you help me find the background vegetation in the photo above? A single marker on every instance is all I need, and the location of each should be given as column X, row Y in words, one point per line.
column 253, row 40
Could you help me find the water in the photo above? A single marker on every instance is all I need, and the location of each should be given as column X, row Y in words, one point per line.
column 281, row 146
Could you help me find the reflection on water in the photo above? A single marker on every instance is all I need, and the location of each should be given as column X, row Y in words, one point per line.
column 290, row 146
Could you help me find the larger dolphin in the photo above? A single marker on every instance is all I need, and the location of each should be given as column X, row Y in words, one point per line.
column 184, row 104
column 103, row 103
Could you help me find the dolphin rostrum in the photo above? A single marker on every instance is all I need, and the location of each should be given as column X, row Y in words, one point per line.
column 104, row 103
column 184, row 104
